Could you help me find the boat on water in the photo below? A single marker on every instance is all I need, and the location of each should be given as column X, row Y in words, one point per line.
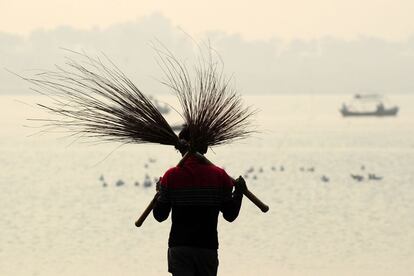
column 380, row 111
column 162, row 108
column 368, row 105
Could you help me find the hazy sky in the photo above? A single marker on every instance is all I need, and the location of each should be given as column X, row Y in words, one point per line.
column 331, row 46
column 260, row 19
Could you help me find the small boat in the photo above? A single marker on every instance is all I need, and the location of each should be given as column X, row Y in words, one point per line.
column 368, row 105
column 163, row 109
column 379, row 112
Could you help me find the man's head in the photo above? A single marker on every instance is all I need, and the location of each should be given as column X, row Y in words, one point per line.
column 186, row 142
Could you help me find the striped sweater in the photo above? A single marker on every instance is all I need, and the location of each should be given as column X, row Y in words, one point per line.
column 195, row 193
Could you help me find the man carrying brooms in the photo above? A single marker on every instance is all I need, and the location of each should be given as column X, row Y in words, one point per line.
column 195, row 192
column 95, row 100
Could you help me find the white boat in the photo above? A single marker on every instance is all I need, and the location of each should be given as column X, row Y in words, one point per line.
column 162, row 108
column 368, row 105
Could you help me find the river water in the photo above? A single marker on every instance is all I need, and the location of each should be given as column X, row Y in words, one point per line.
column 58, row 218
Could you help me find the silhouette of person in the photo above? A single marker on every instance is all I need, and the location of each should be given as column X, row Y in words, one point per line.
column 195, row 193
column 380, row 107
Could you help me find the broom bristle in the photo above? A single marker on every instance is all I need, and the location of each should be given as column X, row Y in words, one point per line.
column 93, row 99
column 213, row 111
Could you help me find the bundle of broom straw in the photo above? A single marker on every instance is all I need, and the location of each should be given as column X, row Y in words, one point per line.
column 92, row 98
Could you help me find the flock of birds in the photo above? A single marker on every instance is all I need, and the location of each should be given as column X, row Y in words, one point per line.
column 250, row 173
column 146, row 183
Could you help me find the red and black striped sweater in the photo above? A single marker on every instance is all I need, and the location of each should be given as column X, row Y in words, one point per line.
column 195, row 193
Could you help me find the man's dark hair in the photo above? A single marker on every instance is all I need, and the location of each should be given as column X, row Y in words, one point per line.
column 187, row 143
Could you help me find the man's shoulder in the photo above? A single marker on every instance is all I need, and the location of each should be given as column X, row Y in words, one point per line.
column 217, row 169
column 171, row 171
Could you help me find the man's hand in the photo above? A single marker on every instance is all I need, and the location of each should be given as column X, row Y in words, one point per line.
column 240, row 185
column 158, row 185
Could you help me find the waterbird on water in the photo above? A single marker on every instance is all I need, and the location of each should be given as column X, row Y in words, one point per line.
column 372, row 176
column 119, row 183
column 357, row 177
column 324, row 178
column 147, row 181
column 102, row 179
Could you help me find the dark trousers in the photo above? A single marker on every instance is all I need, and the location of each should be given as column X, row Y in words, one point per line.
column 192, row 261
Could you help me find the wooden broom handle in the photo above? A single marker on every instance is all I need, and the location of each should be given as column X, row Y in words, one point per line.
column 256, row 201
column 151, row 205
column 246, row 192
column 147, row 211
